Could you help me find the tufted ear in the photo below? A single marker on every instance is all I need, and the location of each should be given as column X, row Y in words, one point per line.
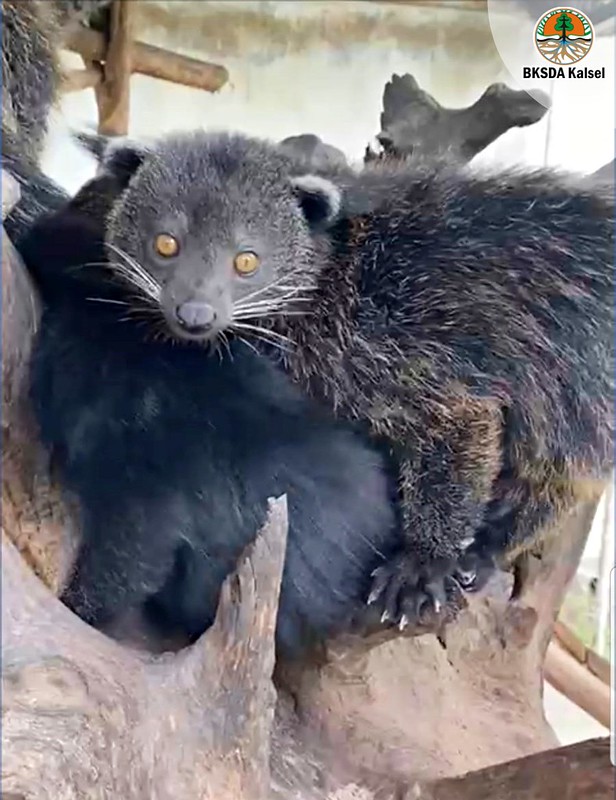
column 319, row 199
column 118, row 156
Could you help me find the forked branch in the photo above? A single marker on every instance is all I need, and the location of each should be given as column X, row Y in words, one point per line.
column 84, row 716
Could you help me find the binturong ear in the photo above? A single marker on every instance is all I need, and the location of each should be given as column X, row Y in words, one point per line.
column 118, row 156
column 319, row 199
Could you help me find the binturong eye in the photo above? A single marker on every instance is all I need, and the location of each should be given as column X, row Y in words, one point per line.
column 166, row 245
column 246, row 263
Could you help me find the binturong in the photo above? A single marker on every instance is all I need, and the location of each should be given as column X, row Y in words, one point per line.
column 171, row 449
column 465, row 317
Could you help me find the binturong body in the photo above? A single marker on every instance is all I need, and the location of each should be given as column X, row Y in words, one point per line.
column 31, row 41
column 30, row 79
column 466, row 318
column 172, row 451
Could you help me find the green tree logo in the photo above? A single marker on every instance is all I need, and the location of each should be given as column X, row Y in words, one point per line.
column 564, row 24
column 564, row 36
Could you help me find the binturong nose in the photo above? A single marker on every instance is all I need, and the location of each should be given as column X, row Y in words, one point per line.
column 196, row 316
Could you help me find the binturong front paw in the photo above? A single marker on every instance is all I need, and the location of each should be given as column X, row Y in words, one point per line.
column 407, row 589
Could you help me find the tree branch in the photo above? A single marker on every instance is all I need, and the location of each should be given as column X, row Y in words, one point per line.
column 414, row 123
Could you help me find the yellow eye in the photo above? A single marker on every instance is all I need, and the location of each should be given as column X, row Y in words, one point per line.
column 166, row 245
column 246, row 263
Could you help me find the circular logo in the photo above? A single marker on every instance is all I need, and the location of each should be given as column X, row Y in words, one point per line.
column 564, row 36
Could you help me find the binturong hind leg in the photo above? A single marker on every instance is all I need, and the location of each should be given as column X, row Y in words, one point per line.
column 125, row 557
column 446, row 487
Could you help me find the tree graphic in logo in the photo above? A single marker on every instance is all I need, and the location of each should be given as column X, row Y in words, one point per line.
column 564, row 36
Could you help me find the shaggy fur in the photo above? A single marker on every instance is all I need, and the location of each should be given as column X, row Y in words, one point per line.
column 468, row 318
column 31, row 34
column 172, row 452
column 30, row 77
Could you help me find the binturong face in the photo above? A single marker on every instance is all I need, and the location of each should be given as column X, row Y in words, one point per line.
column 216, row 230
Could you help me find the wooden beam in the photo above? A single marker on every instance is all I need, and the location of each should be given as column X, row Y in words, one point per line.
column 576, row 682
column 113, row 92
column 573, row 644
column 581, row 770
column 75, row 80
column 155, row 62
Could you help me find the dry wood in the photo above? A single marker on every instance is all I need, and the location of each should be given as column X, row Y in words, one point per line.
column 577, row 682
column 565, row 637
column 599, row 666
column 394, row 710
column 76, row 80
column 569, row 773
column 414, row 123
column 113, row 92
column 152, row 61
column 98, row 720
column 593, row 661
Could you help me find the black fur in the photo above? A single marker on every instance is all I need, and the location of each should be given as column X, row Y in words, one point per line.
column 173, row 452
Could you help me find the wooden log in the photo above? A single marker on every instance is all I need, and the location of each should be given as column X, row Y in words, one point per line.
column 599, row 666
column 113, row 92
column 76, row 80
column 414, row 124
column 572, row 679
column 155, row 62
column 565, row 637
column 581, row 770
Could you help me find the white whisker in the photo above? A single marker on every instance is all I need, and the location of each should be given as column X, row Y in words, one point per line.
column 274, row 284
column 272, row 301
column 267, row 314
column 276, row 337
column 268, row 342
column 134, row 273
column 225, row 340
column 105, row 300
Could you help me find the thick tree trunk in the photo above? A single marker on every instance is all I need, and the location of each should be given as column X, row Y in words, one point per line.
column 84, row 716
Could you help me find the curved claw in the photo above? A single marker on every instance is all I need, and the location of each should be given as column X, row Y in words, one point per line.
column 405, row 590
column 466, row 578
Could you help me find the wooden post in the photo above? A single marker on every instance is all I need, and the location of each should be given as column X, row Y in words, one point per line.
column 113, row 93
